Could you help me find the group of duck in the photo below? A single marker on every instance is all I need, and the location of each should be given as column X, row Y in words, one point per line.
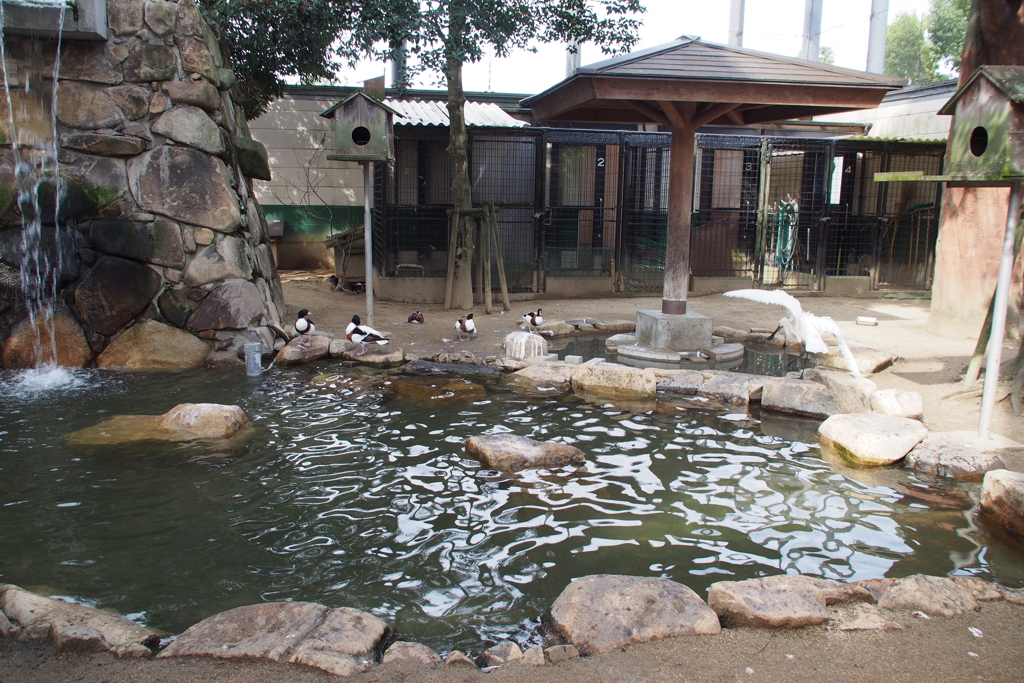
column 361, row 334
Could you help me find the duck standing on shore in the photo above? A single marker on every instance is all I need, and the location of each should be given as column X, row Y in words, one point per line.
column 363, row 335
column 304, row 327
column 465, row 326
column 533, row 320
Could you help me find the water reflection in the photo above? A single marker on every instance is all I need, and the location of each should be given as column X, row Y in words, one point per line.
column 352, row 492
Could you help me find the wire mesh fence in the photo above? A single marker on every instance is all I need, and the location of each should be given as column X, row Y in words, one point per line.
column 785, row 212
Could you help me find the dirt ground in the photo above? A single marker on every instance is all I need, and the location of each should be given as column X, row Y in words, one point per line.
column 941, row 650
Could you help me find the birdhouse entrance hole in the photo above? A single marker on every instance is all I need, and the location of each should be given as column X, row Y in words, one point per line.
column 361, row 136
column 979, row 141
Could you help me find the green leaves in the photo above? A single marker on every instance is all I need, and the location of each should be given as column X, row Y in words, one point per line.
column 916, row 49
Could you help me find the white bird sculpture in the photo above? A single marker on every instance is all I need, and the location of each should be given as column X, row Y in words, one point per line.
column 800, row 326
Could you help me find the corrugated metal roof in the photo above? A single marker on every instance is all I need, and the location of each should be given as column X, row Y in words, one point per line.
column 694, row 59
column 1009, row 79
column 435, row 113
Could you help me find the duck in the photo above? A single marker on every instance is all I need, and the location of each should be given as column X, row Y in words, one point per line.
column 363, row 335
column 533, row 320
column 417, row 318
column 304, row 327
column 465, row 326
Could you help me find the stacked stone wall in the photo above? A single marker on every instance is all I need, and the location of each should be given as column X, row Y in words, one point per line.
column 158, row 221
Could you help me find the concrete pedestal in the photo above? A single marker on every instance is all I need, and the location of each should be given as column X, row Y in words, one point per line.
column 688, row 332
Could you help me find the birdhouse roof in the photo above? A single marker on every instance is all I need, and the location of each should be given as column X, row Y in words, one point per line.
column 329, row 113
column 1009, row 80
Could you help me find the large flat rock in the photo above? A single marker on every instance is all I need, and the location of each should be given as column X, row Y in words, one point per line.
column 614, row 381
column 510, row 453
column 942, row 457
column 340, row 641
column 76, row 627
column 934, row 595
column 867, row 440
column 604, row 612
column 781, row 601
column 154, row 346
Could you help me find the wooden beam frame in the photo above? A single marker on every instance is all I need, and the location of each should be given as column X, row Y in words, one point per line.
column 650, row 112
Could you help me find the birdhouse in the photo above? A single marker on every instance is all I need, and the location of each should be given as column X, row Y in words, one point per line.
column 988, row 126
column 363, row 129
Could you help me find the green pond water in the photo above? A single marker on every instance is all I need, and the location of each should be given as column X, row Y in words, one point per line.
column 353, row 489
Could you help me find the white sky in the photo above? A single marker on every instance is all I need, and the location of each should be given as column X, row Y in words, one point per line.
column 770, row 26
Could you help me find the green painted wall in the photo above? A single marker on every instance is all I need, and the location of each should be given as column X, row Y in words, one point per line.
column 313, row 223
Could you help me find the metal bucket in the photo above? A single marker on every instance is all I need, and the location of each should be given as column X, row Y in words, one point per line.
column 253, row 359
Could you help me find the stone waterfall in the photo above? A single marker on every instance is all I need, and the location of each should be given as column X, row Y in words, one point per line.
column 158, row 253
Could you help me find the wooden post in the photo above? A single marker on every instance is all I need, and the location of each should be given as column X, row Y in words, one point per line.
column 452, row 237
column 485, row 256
column 680, row 210
column 506, row 304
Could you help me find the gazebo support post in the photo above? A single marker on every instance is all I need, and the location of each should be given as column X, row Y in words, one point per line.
column 680, row 212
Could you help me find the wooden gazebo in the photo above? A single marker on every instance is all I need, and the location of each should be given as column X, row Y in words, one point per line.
column 689, row 83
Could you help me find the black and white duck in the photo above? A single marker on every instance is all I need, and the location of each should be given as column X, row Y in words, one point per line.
column 416, row 318
column 363, row 335
column 533, row 320
column 304, row 327
column 465, row 326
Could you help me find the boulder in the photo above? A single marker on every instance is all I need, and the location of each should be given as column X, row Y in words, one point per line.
column 86, row 60
column 377, row 356
column 223, row 260
column 732, row 387
column 233, row 306
column 252, row 158
column 294, row 354
column 436, row 391
column 114, row 292
column 200, row 94
column 1002, row 499
column 870, row 440
column 533, row 656
column 32, row 344
column 510, row 453
column 897, row 403
column 158, row 242
column 720, row 353
column 175, row 306
column 729, row 334
column 76, row 627
column 339, row 347
column 682, row 382
column 550, row 380
column 523, row 345
column 869, row 361
column 161, row 16
column 196, row 58
column 204, row 420
column 187, row 185
column 933, row 595
column 190, row 126
column 942, row 457
column 612, row 343
column 798, row 397
column 90, row 183
column 124, row 16
column 104, row 144
column 615, row 326
column 560, row 653
column 152, row 345
column 148, row 62
column 556, row 328
column 497, row 655
column 340, row 641
column 849, row 393
column 133, row 101
column 602, row 613
column 458, row 659
column 86, row 107
column 615, row 381
column 780, row 601
column 404, row 653
column 862, row 617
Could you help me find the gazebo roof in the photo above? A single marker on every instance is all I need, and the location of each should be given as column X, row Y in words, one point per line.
column 731, row 85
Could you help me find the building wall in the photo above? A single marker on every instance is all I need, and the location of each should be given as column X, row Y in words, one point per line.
column 909, row 114
column 314, row 196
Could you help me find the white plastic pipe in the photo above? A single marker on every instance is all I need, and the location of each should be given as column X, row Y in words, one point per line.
column 995, row 342
column 878, row 28
column 812, row 30
column 368, row 238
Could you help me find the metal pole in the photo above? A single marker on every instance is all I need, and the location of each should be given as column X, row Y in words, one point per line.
column 877, row 32
column 368, row 238
column 812, row 30
column 736, row 11
column 995, row 342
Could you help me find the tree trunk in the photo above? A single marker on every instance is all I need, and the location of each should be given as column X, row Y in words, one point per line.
column 462, row 194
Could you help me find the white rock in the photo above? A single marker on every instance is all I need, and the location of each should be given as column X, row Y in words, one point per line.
column 1002, row 498
column 870, row 440
column 617, row 381
column 780, row 601
column 897, row 403
column 523, row 345
column 941, row 457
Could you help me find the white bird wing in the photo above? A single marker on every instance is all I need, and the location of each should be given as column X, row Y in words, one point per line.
column 369, row 330
column 775, row 297
column 351, row 326
column 826, row 324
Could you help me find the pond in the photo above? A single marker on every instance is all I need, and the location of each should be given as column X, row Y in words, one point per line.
column 353, row 489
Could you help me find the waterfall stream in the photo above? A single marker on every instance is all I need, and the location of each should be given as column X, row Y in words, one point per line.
column 30, row 89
